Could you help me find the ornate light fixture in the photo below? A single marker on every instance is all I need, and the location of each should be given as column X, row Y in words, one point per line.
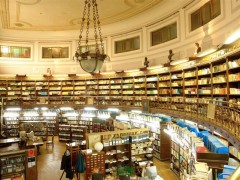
column 91, row 61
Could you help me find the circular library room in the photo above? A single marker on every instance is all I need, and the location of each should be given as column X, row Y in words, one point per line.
column 120, row 90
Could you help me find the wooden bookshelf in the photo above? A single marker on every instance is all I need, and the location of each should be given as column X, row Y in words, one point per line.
column 213, row 77
column 30, row 120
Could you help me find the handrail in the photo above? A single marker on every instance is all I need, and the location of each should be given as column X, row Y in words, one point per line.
column 235, row 175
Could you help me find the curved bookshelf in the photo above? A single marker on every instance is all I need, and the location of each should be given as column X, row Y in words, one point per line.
column 183, row 90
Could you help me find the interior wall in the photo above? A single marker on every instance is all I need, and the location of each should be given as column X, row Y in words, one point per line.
column 142, row 25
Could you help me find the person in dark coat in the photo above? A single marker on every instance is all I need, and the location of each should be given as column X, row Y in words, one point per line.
column 66, row 165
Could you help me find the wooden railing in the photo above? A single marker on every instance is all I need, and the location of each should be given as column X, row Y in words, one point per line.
column 235, row 175
column 220, row 116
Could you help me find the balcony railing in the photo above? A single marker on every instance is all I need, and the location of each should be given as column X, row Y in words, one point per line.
column 220, row 116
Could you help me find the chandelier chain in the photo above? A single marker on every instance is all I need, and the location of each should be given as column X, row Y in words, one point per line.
column 90, row 60
column 99, row 29
column 88, row 23
column 82, row 26
column 95, row 26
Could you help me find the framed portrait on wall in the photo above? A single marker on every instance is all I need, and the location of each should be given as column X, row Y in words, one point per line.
column 60, row 51
column 55, row 52
column 15, row 51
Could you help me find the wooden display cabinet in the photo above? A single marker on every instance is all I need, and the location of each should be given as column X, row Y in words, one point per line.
column 181, row 159
column 152, row 85
column 72, row 133
column 118, row 145
column 78, row 133
column 42, row 89
column 73, row 117
column 67, row 92
column 128, row 91
column 14, row 88
column 183, row 150
column 86, row 121
column 18, row 163
column 116, row 91
column 104, row 89
column 116, row 155
column 162, row 142
column 79, row 90
column 233, row 77
column 28, row 92
column 96, row 160
column 52, row 125
column 177, row 83
column 164, row 90
column 204, row 80
column 14, row 91
column 3, row 88
column 30, row 120
column 164, row 84
column 152, row 90
column 175, row 159
column 64, row 133
column 139, row 90
column 141, row 151
column 190, row 83
column 38, row 127
column 92, row 89
column 12, row 126
column 219, row 80
column 12, row 163
column 69, row 117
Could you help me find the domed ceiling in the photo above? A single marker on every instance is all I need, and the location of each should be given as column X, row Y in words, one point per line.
column 52, row 15
column 55, row 15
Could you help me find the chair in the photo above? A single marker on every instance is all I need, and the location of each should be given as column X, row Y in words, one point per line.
column 50, row 142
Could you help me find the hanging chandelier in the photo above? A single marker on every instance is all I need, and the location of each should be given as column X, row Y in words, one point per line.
column 90, row 60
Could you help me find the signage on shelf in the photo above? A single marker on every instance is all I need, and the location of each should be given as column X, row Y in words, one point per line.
column 211, row 111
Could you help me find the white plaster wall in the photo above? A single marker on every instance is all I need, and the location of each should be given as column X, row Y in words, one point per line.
column 142, row 25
